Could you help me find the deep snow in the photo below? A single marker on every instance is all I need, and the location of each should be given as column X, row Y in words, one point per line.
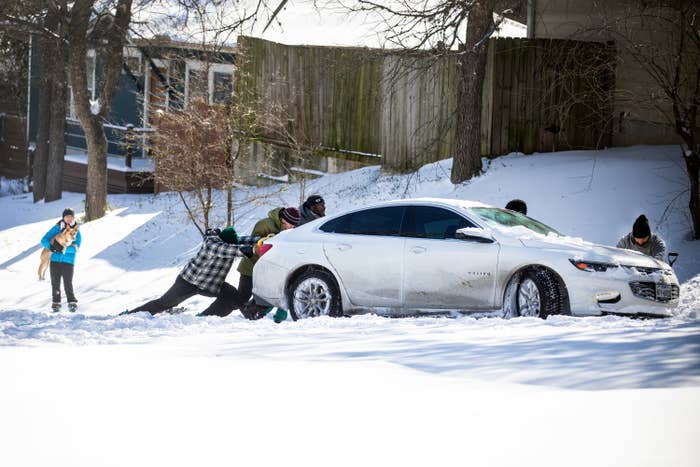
column 94, row 389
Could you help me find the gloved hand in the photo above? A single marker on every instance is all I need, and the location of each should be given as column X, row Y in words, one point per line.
column 260, row 242
column 280, row 315
column 56, row 247
column 247, row 251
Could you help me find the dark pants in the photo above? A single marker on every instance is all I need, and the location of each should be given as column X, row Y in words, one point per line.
column 226, row 301
column 245, row 287
column 61, row 271
column 249, row 309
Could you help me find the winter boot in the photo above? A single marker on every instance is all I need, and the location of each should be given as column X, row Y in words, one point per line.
column 72, row 306
column 55, row 307
column 260, row 312
column 253, row 312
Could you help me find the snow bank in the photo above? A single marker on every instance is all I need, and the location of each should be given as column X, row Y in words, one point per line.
column 92, row 388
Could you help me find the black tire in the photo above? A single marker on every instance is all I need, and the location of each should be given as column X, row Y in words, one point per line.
column 550, row 302
column 322, row 285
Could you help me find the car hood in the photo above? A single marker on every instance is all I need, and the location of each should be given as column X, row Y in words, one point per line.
column 581, row 250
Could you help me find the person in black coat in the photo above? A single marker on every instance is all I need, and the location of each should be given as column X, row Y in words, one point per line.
column 313, row 208
column 517, row 205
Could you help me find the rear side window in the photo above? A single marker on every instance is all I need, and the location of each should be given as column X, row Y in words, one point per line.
column 376, row 221
column 432, row 222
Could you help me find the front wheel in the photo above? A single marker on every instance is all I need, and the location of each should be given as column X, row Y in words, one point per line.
column 538, row 294
column 314, row 293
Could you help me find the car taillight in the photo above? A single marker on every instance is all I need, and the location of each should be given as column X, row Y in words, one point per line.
column 264, row 248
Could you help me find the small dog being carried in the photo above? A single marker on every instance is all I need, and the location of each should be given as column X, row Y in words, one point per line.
column 59, row 243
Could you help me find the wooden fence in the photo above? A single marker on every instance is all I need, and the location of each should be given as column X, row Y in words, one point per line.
column 546, row 95
column 13, row 146
column 538, row 96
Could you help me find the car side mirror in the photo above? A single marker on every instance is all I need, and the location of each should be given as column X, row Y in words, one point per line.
column 672, row 257
column 473, row 234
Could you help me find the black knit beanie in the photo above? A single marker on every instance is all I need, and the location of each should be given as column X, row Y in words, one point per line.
column 313, row 200
column 229, row 235
column 68, row 212
column 641, row 227
column 517, row 205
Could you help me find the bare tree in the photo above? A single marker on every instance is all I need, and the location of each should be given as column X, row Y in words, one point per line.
column 92, row 114
column 192, row 150
column 214, row 19
column 41, row 153
column 73, row 27
column 59, row 90
column 661, row 42
column 46, row 21
column 448, row 27
column 211, row 27
column 14, row 51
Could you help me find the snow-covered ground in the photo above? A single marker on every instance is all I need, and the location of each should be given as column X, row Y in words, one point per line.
column 93, row 389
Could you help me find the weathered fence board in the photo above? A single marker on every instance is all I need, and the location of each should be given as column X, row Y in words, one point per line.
column 538, row 96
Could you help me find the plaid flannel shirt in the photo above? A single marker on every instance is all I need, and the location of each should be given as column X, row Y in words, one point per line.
column 208, row 270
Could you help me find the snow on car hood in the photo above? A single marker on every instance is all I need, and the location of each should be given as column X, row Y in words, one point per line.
column 578, row 248
column 583, row 250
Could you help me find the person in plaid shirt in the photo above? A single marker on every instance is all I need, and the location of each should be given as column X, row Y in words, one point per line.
column 205, row 274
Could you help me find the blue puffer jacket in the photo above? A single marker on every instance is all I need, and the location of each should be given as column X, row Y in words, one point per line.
column 69, row 255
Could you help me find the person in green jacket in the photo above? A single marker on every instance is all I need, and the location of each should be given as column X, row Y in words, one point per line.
column 277, row 220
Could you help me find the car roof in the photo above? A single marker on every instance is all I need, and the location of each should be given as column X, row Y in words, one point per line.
column 443, row 202
column 458, row 203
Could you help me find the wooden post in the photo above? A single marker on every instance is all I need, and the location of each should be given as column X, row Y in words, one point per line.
column 129, row 144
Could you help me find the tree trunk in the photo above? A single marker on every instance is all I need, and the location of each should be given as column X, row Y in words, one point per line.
column 229, row 206
column 692, row 163
column 472, row 68
column 207, row 209
column 57, row 132
column 96, row 189
column 41, row 153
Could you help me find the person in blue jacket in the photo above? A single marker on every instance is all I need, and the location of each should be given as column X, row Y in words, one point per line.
column 62, row 264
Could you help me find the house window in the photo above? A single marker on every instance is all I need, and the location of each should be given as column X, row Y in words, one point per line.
column 197, row 85
column 158, row 84
column 90, row 70
column 211, row 81
column 223, row 87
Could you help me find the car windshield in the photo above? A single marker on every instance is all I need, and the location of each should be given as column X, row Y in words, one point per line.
column 507, row 218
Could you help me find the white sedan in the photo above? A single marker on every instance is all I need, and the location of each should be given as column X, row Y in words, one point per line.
column 420, row 256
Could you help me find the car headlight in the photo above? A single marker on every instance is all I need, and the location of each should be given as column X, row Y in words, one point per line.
column 592, row 266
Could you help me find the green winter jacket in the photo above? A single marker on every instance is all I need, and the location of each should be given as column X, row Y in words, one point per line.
column 264, row 227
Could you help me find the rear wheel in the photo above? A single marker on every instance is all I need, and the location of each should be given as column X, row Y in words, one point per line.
column 538, row 294
column 314, row 293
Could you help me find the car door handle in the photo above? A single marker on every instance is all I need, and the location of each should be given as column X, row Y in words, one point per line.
column 417, row 250
column 343, row 246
